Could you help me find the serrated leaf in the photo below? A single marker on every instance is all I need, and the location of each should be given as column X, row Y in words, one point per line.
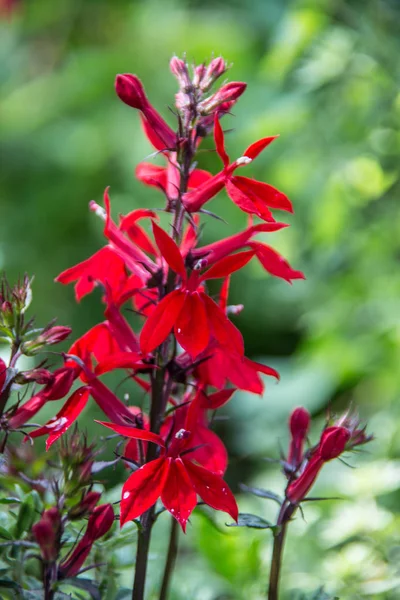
column 261, row 493
column 252, row 521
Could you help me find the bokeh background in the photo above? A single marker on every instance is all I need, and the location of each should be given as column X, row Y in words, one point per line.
column 324, row 75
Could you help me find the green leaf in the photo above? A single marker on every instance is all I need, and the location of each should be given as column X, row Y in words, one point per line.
column 253, row 521
column 261, row 493
column 84, row 584
column 5, row 534
column 10, row 500
column 28, row 513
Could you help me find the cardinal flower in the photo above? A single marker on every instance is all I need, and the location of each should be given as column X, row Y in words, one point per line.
column 251, row 196
column 174, row 477
column 192, row 314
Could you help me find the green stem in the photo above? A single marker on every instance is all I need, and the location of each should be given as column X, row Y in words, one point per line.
column 171, row 559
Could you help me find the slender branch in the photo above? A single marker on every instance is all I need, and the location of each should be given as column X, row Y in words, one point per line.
column 171, row 558
column 284, row 517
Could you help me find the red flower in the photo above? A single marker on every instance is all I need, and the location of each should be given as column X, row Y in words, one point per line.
column 175, row 478
column 130, row 89
column 167, row 179
column 253, row 197
column 104, row 266
column 192, row 314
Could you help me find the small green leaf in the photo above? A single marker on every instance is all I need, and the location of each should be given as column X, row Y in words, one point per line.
column 10, row 500
column 5, row 534
column 261, row 493
column 253, row 521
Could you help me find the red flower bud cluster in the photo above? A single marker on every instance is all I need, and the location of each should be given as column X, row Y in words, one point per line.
column 303, row 468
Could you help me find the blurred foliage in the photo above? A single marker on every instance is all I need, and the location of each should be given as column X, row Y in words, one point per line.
column 322, row 73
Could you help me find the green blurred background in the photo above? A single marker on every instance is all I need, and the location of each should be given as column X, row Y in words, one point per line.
column 324, row 74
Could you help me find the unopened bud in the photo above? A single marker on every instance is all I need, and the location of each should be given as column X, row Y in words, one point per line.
column 130, row 89
column 85, row 506
column 40, row 376
column 61, row 384
column 215, row 69
column 7, row 314
column 3, row 374
column 179, row 69
column 333, row 442
column 199, row 73
column 227, row 93
column 47, row 533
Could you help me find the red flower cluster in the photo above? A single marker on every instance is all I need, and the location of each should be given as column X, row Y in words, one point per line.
column 188, row 342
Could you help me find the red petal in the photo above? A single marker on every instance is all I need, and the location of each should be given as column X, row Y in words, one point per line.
column 254, row 149
column 227, row 265
column 274, row 263
column 152, row 175
column 246, row 203
column 198, row 177
column 119, row 360
column 218, row 399
column 138, row 236
column 191, row 328
column 111, row 406
column 219, row 141
column 212, row 489
column 64, row 418
column 223, row 294
column 224, row 331
column 142, row 489
column 269, row 195
column 151, row 135
column 103, row 266
column 209, row 451
column 195, row 199
column 27, row 411
column 161, row 321
column 169, row 250
column 178, row 495
column 262, row 368
column 134, row 433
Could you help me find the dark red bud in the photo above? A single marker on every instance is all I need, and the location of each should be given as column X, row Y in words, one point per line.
column 333, row 442
column 299, row 422
column 62, row 383
column 3, row 374
column 56, row 334
column 46, row 533
column 100, row 521
column 130, row 90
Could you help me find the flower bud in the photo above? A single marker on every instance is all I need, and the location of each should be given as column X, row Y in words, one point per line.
column 47, row 534
column 179, row 69
column 3, row 374
column 86, row 505
column 130, row 90
column 215, row 69
column 299, row 423
column 48, row 337
column 61, row 384
column 39, row 376
column 227, row 93
column 7, row 314
column 199, row 73
column 333, row 442
column 99, row 523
